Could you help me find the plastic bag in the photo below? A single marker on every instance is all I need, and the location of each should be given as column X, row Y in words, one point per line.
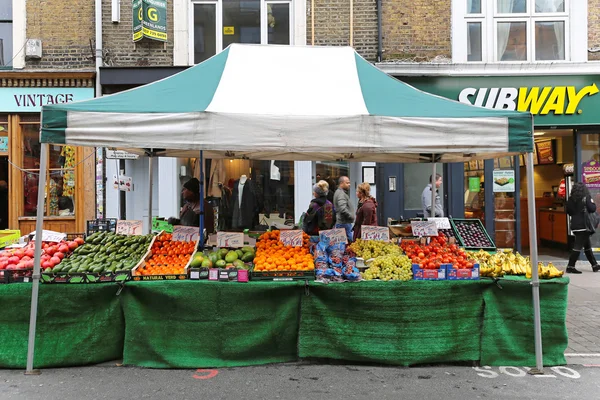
column 336, row 253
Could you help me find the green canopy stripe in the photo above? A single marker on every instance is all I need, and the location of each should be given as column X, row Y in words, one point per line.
column 522, row 142
column 54, row 123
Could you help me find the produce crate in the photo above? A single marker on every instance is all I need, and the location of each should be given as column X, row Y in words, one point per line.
column 281, row 275
column 161, row 225
column 420, row 274
column 167, row 277
column 101, row 225
column 16, row 275
column 8, row 237
column 103, row 277
column 73, row 236
column 476, row 225
column 64, row 277
column 466, row 274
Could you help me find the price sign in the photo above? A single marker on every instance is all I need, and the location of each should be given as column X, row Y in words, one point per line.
column 230, row 239
column 424, row 228
column 441, row 223
column 375, row 233
column 335, row 236
column 291, row 238
column 185, row 233
column 51, row 236
column 129, row 227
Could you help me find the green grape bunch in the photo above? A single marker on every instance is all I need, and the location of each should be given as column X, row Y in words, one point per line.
column 389, row 268
column 368, row 249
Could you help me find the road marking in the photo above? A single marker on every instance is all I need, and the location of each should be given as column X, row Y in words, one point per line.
column 592, row 365
column 209, row 374
column 582, row 354
column 566, row 372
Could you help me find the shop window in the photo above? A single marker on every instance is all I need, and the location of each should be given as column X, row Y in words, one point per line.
column 590, row 157
column 60, row 178
column 416, row 177
column 267, row 195
column 219, row 23
column 474, row 190
column 6, row 33
column 515, row 30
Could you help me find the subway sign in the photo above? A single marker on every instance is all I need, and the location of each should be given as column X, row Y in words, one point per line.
column 553, row 100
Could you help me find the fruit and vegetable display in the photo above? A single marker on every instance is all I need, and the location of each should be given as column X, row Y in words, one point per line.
column 52, row 254
column 336, row 263
column 368, row 249
column 436, row 253
column 104, row 252
column 507, row 262
column 472, row 234
column 224, row 258
column 168, row 257
column 273, row 255
column 389, row 268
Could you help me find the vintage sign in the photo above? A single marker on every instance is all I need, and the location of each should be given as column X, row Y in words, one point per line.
column 335, row 236
column 32, row 99
column 230, row 239
column 149, row 20
column 375, row 233
column 291, row 238
column 504, row 180
column 441, row 223
column 185, row 233
column 424, row 228
column 129, row 227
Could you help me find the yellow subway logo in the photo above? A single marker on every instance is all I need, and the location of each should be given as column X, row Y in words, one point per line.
column 537, row 100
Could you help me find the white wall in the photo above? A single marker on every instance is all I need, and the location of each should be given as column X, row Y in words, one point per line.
column 19, row 34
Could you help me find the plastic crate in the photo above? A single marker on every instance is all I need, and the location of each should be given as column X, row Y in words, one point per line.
column 466, row 274
column 420, row 274
column 16, row 275
column 468, row 246
column 281, row 275
column 101, row 225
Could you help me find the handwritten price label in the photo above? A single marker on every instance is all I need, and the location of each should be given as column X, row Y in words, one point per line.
column 230, row 239
column 185, row 233
column 335, row 236
column 424, row 228
column 291, row 238
column 375, row 233
column 51, row 236
column 441, row 223
column 129, row 227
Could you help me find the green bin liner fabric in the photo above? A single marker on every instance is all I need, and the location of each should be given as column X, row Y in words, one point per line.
column 400, row 323
column 76, row 325
column 508, row 334
column 194, row 324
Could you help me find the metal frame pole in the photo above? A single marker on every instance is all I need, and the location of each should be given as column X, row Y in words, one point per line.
column 533, row 254
column 433, row 188
column 201, row 233
column 150, row 162
column 39, row 226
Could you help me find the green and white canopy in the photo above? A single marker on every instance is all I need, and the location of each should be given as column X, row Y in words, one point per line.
column 288, row 103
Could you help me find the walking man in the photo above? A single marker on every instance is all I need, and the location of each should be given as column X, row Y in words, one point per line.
column 426, row 198
column 343, row 206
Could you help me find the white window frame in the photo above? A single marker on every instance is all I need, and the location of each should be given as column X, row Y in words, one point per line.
column 219, row 23
column 576, row 34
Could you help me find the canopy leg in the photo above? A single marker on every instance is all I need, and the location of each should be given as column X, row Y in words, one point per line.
column 533, row 256
column 201, row 233
column 433, row 181
column 39, row 226
column 150, row 162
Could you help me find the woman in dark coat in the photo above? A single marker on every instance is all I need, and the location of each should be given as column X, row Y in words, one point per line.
column 321, row 213
column 578, row 202
column 366, row 212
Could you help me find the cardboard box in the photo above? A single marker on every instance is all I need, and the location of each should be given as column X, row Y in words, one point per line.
column 8, row 237
column 420, row 274
column 465, row 274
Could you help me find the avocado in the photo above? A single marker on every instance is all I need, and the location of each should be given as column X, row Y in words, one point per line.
column 197, row 261
column 223, row 253
column 220, row 263
column 213, row 257
column 238, row 264
column 247, row 249
column 231, row 256
column 207, row 263
column 247, row 257
column 240, row 253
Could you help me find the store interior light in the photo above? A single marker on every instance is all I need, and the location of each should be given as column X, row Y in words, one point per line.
column 539, row 133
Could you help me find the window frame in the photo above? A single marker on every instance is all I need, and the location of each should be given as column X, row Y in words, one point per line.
column 264, row 32
column 8, row 63
column 575, row 40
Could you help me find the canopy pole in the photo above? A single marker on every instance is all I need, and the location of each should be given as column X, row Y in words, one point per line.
column 433, row 181
column 150, row 162
column 201, row 233
column 39, row 226
column 533, row 256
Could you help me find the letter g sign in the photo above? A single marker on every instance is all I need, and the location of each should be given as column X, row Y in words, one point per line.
column 152, row 14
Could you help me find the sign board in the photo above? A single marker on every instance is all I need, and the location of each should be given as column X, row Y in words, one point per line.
column 591, row 174
column 124, row 183
column 474, row 184
column 3, row 144
column 150, row 20
column 185, row 233
column 129, row 227
column 545, row 152
column 504, row 180
column 230, row 239
column 32, row 99
column 50, row 236
column 120, row 155
column 228, row 30
column 424, row 228
column 368, row 232
column 441, row 223
column 291, row 238
column 335, row 236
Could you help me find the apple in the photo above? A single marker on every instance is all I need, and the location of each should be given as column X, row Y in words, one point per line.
column 50, row 250
column 29, row 264
column 21, row 265
column 63, row 248
column 11, row 267
column 79, row 241
column 73, row 245
column 14, row 260
column 59, row 254
column 30, row 253
column 19, row 253
column 47, row 264
column 55, row 260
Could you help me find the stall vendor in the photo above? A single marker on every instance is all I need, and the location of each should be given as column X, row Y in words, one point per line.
column 190, row 212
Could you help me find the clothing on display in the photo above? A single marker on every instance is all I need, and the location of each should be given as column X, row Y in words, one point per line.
column 245, row 204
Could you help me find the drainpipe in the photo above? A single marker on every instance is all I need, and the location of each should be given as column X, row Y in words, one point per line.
column 98, row 9
column 379, row 34
column 351, row 23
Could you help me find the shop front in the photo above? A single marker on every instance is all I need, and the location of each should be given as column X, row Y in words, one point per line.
column 69, row 179
column 567, row 144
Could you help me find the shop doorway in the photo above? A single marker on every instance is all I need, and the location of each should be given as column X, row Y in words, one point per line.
column 4, row 203
column 588, row 168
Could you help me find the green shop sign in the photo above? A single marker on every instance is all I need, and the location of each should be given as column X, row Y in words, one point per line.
column 150, row 19
column 553, row 100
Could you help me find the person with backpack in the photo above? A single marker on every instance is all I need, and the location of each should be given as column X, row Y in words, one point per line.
column 321, row 213
column 580, row 207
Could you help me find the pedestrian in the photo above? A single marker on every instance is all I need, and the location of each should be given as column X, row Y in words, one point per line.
column 426, row 198
column 366, row 212
column 579, row 204
column 321, row 213
column 344, row 210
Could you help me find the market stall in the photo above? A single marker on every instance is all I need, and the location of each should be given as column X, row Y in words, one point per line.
column 337, row 107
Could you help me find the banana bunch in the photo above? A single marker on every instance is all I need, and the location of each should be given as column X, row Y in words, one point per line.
column 546, row 271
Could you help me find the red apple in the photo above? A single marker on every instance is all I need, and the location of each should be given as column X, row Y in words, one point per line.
column 19, row 253
column 59, row 255
column 63, row 248
column 47, row 264
column 30, row 253
column 73, row 245
column 14, row 260
column 55, row 260
column 3, row 264
column 29, row 264
column 79, row 241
